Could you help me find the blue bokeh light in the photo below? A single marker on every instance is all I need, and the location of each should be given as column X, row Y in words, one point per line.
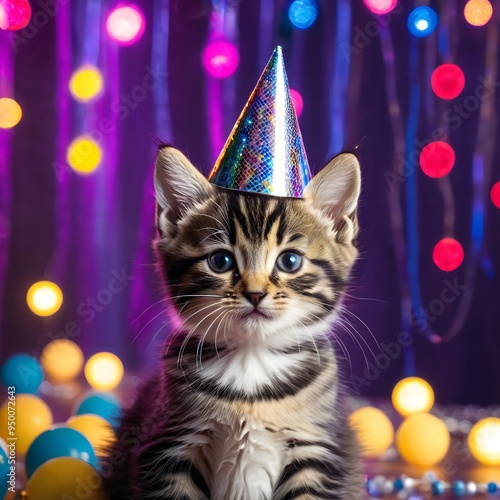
column 303, row 13
column 422, row 21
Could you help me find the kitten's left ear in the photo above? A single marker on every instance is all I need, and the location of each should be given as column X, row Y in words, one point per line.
column 178, row 186
column 335, row 191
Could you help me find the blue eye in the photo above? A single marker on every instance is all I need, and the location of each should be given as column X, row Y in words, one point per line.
column 289, row 262
column 221, row 262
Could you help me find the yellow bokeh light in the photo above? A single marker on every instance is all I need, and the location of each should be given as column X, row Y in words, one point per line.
column 85, row 83
column 84, row 155
column 62, row 360
column 104, row 371
column 373, row 429
column 44, row 298
column 478, row 12
column 423, row 440
column 412, row 395
column 10, row 112
column 484, row 441
column 97, row 430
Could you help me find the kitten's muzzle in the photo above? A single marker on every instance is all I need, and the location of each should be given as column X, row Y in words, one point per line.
column 254, row 297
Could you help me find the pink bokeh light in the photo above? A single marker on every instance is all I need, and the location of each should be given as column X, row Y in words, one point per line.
column 380, row 6
column 298, row 102
column 447, row 81
column 14, row 14
column 220, row 58
column 448, row 254
column 125, row 24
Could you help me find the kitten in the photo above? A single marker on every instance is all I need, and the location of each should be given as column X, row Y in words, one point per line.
column 247, row 406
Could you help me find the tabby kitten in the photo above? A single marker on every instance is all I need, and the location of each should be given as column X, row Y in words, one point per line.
column 247, row 405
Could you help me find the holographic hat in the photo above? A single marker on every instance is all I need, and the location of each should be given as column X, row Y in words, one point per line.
column 264, row 153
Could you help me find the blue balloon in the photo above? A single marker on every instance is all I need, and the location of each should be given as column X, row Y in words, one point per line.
column 23, row 372
column 4, row 469
column 104, row 404
column 59, row 442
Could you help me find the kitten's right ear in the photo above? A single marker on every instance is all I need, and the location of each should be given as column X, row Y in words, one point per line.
column 178, row 186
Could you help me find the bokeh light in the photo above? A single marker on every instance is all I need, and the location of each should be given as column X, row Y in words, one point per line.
column 380, row 6
column 298, row 102
column 423, row 439
column 14, row 14
column 85, row 83
column 437, row 159
column 84, row 155
column 23, row 372
column 447, row 81
column 374, row 431
column 220, row 58
column 104, row 370
column 10, row 112
column 44, row 298
column 422, row 21
column 96, row 429
column 448, row 254
column 303, row 13
column 62, row 360
column 478, row 12
column 484, row 441
column 412, row 395
column 125, row 24
column 495, row 194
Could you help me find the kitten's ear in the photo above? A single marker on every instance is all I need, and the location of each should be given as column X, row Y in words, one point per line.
column 178, row 185
column 335, row 191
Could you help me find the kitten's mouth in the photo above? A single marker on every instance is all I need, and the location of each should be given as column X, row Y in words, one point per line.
column 256, row 313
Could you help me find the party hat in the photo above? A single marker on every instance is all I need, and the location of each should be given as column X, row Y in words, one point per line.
column 264, row 153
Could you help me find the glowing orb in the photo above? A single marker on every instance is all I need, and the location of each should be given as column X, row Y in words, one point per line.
column 422, row 21
column 478, row 12
column 85, row 83
column 126, row 24
column 10, row 112
column 33, row 417
column 297, row 100
column 448, row 254
column 104, row 370
column 495, row 194
column 14, row 14
column 97, row 430
column 447, row 81
column 303, row 13
column 437, row 159
column 373, row 429
column 484, row 441
column 380, row 6
column 412, row 395
column 423, row 439
column 44, row 298
column 220, row 58
column 62, row 360
column 84, row 155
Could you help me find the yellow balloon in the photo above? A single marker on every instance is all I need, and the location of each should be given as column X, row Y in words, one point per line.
column 96, row 429
column 484, row 441
column 104, row 371
column 31, row 416
column 423, row 439
column 373, row 429
column 65, row 477
column 62, row 360
column 412, row 395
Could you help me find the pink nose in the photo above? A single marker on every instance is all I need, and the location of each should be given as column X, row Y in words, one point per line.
column 254, row 297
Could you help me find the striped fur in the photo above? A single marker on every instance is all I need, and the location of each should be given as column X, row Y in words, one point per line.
column 247, row 407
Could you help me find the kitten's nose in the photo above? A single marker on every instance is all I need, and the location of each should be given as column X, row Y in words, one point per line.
column 254, row 297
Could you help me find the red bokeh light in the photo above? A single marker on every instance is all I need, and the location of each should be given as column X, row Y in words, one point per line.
column 437, row 159
column 448, row 254
column 298, row 102
column 14, row 14
column 447, row 81
column 495, row 194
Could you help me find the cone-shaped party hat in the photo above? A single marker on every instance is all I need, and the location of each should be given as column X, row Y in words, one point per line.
column 265, row 153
